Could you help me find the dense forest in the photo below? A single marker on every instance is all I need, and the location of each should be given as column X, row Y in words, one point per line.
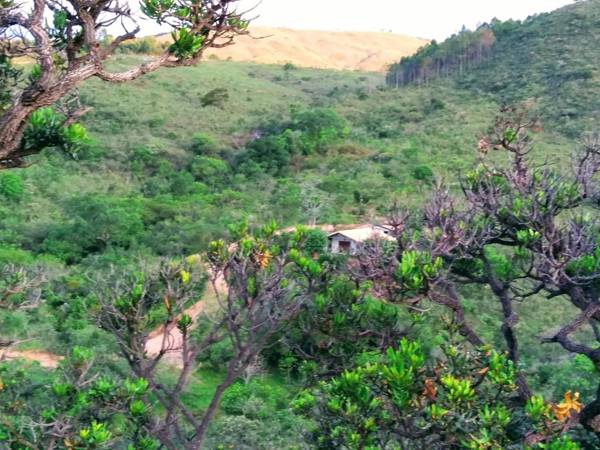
column 455, row 55
column 162, row 283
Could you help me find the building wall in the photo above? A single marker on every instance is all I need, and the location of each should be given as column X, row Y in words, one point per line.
column 335, row 241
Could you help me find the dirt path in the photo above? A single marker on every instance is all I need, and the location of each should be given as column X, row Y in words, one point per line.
column 46, row 359
column 174, row 337
column 153, row 345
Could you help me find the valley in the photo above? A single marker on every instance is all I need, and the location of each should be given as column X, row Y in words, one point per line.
column 480, row 153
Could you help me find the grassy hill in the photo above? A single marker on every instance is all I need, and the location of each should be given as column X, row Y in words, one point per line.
column 179, row 154
column 318, row 49
column 550, row 60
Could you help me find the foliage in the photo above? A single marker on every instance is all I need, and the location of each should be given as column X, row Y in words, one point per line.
column 560, row 78
column 147, row 45
column 217, row 97
column 316, row 242
column 423, row 173
column 400, row 400
column 46, row 129
column 74, row 407
column 204, row 144
column 307, row 132
column 12, row 186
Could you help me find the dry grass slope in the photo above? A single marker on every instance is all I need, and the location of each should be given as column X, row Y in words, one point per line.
column 320, row 49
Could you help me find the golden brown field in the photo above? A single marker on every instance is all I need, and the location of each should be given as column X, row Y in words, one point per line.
column 319, row 49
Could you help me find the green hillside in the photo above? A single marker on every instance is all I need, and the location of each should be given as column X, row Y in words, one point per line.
column 179, row 155
column 550, row 59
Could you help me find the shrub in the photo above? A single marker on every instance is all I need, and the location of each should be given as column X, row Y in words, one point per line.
column 307, row 132
column 218, row 355
column 320, row 128
column 211, row 171
column 12, row 186
column 272, row 153
column 148, row 45
column 204, row 144
column 423, row 173
column 217, row 97
column 316, row 241
column 183, row 183
column 96, row 223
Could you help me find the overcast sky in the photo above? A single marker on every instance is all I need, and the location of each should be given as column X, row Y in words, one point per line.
column 422, row 18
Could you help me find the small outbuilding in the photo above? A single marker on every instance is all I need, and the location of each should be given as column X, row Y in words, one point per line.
column 350, row 241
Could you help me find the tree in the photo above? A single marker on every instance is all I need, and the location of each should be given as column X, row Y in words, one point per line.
column 522, row 230
column 67, row 50
column 268, row 280
column 314, row 201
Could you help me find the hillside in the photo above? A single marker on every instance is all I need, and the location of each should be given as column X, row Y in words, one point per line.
column 551, row 60
column 318, row 49
column 178, row 156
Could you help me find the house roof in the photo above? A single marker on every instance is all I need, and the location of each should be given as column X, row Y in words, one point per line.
column 362, row 234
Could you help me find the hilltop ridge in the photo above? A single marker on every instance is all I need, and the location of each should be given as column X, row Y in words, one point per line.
column 341, row 50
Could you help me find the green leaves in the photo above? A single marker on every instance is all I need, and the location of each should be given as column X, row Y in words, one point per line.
column 136, row 387
column 137, row 408
column 12, row 186
column 537, row 409
column 585, row 265
column 416, row 268
column 74, row 137
column 459, row 390
column 238, row 23
column 468, row 400
column 186, row 44
column 157, row 9
column 400, row 371
column 95, row 434
column 96, row 410
column 60, row 20
column 501, row 371
column 45, row 129
column 184, row 323
column 527, row 237
column 510, row 135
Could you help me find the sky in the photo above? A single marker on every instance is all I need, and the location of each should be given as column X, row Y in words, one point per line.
column 432, row 19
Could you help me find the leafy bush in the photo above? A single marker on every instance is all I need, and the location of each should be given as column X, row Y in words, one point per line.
column 272, row 153
column 204, row 144
column 210, row 171
column 96, row 222
column 307, row 132
column 423, row 173
column 12, row 186
column 316, row 241
column 218, row 355
column 217, row 97
column 363, row 407
column 182, row 183
column 148, row 45
column 320, row 128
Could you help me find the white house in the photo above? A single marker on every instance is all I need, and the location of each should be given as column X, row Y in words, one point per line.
column 350, row 241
